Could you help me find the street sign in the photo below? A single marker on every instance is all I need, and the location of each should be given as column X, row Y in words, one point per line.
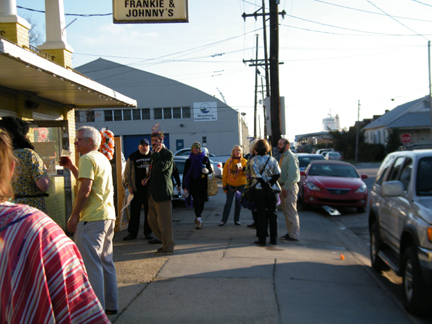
column 406, row 138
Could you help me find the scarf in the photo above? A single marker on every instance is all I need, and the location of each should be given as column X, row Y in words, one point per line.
column 194, row 172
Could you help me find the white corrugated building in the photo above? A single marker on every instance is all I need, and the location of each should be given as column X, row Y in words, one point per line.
column 186, row 114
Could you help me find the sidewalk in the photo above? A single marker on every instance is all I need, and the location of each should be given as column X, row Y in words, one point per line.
column 218, row 275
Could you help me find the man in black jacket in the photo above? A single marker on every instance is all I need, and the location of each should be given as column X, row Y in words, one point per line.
column 160, row 194
column 137, row 167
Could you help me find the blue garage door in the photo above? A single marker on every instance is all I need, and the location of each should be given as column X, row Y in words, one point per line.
column 131, row 142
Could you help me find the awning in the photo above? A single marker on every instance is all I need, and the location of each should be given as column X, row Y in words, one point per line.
column 24, row 72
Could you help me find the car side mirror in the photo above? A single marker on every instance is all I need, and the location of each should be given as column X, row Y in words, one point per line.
column 302, row 173
column 392, row 189
column 364, row 176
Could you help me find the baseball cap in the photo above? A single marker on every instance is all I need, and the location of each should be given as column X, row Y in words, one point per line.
column 144, row 141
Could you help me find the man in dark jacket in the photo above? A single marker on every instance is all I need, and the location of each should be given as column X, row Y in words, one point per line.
column 136, row 170
column 160, row 194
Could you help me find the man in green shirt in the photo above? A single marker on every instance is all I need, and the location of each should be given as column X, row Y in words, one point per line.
column 290, row 176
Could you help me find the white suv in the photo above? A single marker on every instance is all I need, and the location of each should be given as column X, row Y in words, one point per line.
column 400, row 224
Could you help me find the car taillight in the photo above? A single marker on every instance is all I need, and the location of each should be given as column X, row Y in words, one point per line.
column 429, row 234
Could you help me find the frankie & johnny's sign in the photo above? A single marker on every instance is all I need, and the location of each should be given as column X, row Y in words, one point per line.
column 150, row 11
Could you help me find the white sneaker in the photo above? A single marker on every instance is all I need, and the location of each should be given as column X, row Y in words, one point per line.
column 198, row 223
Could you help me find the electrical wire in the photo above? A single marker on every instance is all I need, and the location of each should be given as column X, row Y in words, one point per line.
column 372, row 12
column 397, row 20
column 67, row 14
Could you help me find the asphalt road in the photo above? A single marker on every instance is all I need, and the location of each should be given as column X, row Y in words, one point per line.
column 357, row 224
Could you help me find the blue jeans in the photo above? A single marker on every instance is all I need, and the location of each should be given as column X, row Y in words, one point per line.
column 230, row 196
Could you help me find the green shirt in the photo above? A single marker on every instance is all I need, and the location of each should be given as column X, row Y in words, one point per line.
column 290, row 172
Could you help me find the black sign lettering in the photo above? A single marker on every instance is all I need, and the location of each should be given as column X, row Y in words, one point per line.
column 170, row 12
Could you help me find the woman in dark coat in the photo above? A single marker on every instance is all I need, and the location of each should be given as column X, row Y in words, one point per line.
column 195, row 179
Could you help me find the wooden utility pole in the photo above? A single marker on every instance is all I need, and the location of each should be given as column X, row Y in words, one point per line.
column 274, row 74
column 430, row 89
column 256, row 90
column 357, row 135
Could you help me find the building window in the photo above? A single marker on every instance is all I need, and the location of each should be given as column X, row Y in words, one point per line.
column 167, row 113
column 108, row 115
column 90, row 116
column 127, row 114
column 136, row 114
column 145, row 113
column 204, row 140
column 186, row 112
column 176, row 112
column 158, row 113
column 117, row 115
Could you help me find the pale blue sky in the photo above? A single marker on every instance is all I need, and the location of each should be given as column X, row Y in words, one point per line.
column 335, row 52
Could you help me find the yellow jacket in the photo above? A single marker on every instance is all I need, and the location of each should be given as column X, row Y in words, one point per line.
column 231, row 176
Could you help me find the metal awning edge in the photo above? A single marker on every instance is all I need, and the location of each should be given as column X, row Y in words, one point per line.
column 29, row 58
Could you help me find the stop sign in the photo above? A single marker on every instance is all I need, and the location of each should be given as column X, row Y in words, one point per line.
column 406, row 138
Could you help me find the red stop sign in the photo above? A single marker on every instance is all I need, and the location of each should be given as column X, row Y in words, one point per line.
column 406, row 138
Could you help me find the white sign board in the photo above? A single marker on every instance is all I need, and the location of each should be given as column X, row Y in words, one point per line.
column 150, row 11
column 205, row 111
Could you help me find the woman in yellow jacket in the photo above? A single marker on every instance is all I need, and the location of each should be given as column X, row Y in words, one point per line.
column 233, row 179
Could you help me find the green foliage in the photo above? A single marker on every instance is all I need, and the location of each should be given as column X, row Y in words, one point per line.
column 345, row 142
column 393, row 141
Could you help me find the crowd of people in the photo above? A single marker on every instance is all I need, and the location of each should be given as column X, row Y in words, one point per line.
column 88, row 286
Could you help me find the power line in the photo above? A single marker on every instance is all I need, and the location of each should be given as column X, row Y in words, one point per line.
column 351, row 29
column 396, row 20
column 424, row 4
column 67, row 14
column 376, row 13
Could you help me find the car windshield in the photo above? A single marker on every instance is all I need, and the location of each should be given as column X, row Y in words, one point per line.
column 333, row 170
column 304, row 161
column 424, row 177
column 180, row 166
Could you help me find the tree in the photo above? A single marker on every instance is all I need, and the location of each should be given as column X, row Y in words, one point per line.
column 393, row 141
column 35, row 37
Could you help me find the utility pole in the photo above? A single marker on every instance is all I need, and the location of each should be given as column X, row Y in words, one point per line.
column 430, row 87
column 265, row 51
column 274, row 74
column 272, row 81
column 357, row 135
column 256, row 89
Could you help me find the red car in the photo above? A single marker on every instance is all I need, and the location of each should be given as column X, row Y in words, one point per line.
column 333, row 183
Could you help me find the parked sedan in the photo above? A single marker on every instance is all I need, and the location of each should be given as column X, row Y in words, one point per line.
column 305, row 158
column 333, row 156
column 333, row 183
column 217, row 166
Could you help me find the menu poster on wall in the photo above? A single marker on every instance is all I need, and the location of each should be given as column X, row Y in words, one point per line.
column 150, row 11
column 205, row 111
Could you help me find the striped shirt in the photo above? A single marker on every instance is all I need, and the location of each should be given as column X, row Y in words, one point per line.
column 42, row 274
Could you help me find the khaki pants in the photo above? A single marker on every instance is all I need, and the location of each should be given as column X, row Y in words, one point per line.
column 160, row 221
column 289, row 208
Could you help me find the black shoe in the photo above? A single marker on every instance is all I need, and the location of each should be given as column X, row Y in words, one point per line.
column 259, row 243
column 155, row 241
column 129, row 237
column 221, row 224
column 148, row 237
column 273, row 242
column 237, row 223
column 110, row 312
column 252, row 225
column 285, row 237
column 288, row 238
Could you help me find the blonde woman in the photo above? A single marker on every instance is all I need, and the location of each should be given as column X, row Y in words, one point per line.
column 233, row 180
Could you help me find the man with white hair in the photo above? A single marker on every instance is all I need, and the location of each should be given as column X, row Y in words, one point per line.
column 93, row 216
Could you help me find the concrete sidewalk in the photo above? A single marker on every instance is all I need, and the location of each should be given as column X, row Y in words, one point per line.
column 218, row 275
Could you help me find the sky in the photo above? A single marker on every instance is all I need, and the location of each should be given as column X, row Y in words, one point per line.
column 336, row 54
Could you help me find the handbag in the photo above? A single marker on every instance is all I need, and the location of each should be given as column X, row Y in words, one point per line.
column 212, row 186
column 246, row 199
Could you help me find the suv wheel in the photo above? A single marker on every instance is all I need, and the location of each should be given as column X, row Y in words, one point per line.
column 377, row 263
column 416, row 296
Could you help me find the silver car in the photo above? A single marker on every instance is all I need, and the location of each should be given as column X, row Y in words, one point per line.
column 400, row 224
